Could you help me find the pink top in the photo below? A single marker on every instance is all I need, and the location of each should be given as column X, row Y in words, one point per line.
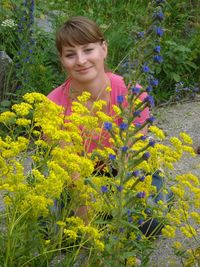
column 60, row 96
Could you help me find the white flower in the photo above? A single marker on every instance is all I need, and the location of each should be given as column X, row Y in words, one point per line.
column 9, row 23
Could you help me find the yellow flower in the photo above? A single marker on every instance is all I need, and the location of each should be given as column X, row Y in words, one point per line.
column 190, row 150
column 23, row 122
column 79, row 108
column 116, row 109
column 76, row 221
column 178, row 191
column 70, row 234
column 7, row 200
column 188, row 231
column 99, row 104
column 131, row 261
column 132, row 236
column 172, row 218
column 103, row 117
column 22, row 109
column 158, row 132
column 84, row 97
column 47, row 242
column 177, row 245
column 176, row 142
column 196, row 216
column 108, row 89
column 7, row 116
column 99, row 245
column 34, row 97
column 169, row 231
column 186, row 138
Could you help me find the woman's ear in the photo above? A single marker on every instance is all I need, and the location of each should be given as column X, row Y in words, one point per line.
column 105, row 48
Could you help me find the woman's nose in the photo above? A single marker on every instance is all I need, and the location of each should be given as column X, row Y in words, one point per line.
column 81, row 58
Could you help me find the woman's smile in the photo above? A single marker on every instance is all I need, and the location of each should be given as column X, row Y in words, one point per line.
column 83, row 70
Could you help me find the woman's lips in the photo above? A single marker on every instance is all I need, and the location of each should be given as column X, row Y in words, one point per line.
column 83, row 70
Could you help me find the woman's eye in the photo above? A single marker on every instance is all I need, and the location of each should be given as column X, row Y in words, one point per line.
column 69, row 55
column 88, row 50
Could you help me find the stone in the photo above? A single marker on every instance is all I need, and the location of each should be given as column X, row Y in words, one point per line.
column 5, row 66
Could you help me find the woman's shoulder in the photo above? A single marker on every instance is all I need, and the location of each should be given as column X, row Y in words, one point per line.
column 115, row 78
column 59, row 92
column 117, row 83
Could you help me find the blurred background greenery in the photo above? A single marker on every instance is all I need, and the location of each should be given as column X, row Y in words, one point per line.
column 30, row 42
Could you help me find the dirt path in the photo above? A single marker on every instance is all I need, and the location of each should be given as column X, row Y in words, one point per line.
column 182, row 118
column 173, row 120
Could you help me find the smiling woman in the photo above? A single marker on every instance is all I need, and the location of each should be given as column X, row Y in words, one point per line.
column 82, row 51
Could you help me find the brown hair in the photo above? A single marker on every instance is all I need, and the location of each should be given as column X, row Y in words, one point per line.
column 78, row 31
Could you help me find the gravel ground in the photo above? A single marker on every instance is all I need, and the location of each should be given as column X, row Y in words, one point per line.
column 173, row 120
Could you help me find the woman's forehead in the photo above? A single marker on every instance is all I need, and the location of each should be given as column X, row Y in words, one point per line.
column 75, row 46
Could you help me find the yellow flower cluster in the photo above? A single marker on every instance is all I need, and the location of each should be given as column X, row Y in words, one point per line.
column 7, row 117
column 57, row 147
column 158, row 132
column 22, row 109
column 168, row 231
column 188, row 231
column 84, row 97
column 89, row 235
column 57, row 156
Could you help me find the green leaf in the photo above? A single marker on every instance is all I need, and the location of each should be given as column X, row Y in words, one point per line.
column 5, row 103
column 176, row 77
column 192, row 64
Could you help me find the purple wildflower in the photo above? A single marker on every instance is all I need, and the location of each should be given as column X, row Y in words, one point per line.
column 107, row 125
column 146, row 155
column 149, row 99
column 143, row 137
column 123, row 126
column 135, row 173
column 140, row 34
column 145, row 69
column 154, row 82
column 151, row 119
column 112, row 156
column 160, row 2
column 124, row 148
column 121, row 229
column 159, row 31
column 120, row 99
column 104, row 189
column 137, row 125
column 141, row 194
column 157, row 49
column 130, row 219
column 149, row 89
column 140, row 221
column 137, row 113
column 135, row 90
column 158, row 58
column 120, row 188
column 142, row 178
column 159, row 15
column 152, row 143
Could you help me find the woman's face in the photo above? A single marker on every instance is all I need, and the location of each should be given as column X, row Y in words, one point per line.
column 84, row 63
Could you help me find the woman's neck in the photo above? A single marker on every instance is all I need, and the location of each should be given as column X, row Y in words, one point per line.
column 97, row 87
